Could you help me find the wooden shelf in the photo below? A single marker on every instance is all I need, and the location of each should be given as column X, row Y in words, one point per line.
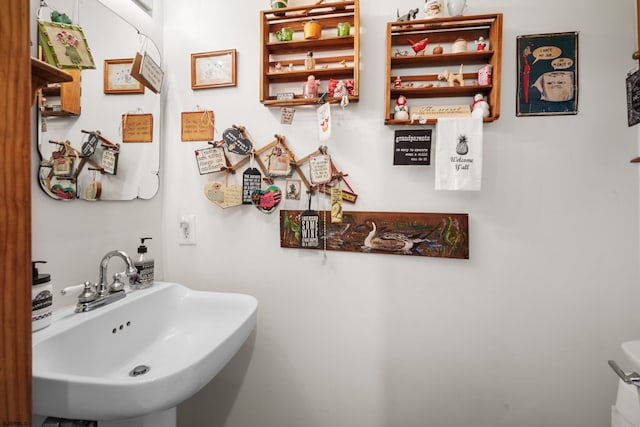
column 415, row 71
column 43, row 74
column 335, row 57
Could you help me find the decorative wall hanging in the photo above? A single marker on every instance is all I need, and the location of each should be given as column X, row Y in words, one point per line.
column 294, row 188
column 412, row 147
column 197, row 126
column 444, row 235
column 117, row 77
column 64, row 45
column 459, row 154
column 211, row 160
column 147, row 71
column 266, row 201
column 547, row 74
column 137, row 128
column 223, row 195
column 237, row 141
column 213, row 69
column 251, row 181
column 633, row 98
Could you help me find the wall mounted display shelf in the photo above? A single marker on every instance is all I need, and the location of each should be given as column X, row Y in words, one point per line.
column 418, row 73
column 283, row 71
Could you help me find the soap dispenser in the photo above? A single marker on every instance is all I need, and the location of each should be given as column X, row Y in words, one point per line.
column 41, row 298
column 145, row 266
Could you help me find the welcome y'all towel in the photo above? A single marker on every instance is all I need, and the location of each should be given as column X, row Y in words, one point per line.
column 459, row 154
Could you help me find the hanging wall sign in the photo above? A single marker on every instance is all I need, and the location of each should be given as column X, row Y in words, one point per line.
column 320, row 168
column 279, row 164
column 223, row 195
column 309, row 229
column 109, row 162
column 236, row 142
column 251, row 181
column 266, row 201
column 444, row 235
column 324, row 122
column 197, row 126
column 147, row 72
column 336, row 204
column 137, row 128
column 286, row 115
column 210, row 159
column 412, row 147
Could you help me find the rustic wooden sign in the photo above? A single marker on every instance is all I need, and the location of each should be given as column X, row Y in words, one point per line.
column 137, row 128
column 197, row 126
column 444, row 235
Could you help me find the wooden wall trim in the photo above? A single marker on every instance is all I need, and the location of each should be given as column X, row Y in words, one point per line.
column 15, row 215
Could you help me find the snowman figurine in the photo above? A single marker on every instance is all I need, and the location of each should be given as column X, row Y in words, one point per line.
column 401, row 109
column 480, row 107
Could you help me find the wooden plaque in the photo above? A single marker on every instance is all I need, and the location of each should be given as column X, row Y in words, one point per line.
column 137, row 128
column 197, row 126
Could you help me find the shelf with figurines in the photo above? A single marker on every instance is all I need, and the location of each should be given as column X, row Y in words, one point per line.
column 306, row 51
column 443, row 67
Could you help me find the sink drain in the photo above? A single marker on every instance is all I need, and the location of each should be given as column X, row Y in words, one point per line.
column 139, row 370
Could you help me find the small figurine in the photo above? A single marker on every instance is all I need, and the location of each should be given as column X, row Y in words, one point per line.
column 418, row 47
column 452, row 78
column 481, row 44
column 343, row 63
column 401, row 109
column 310, row 88
column 290, row 67
column 407, row 16
column 341, row 91
column 278, row 67
column 397, row 84
column 438, row 50
column 309, row 62
column 480, row 107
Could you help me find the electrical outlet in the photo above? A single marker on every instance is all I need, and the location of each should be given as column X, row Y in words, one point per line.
column 187, row 233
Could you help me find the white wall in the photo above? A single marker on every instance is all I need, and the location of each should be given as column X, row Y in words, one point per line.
column 518, row 335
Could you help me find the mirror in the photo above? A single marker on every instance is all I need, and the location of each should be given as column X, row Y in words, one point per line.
column 99, row 136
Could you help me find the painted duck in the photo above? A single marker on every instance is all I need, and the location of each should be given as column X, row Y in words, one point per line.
column 394, row 242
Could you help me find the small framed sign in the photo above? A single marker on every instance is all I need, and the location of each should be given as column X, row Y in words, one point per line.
column 197, row 126
column 137, row 128
column 412, row 147
column 117, row 77
column 210, row 160
column 110, row 161
column 213, row 69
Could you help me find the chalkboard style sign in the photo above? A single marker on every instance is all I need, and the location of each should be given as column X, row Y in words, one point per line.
column 633, row 98
column 412, row 147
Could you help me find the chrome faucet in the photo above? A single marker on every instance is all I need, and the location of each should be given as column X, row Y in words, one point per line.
column 98, row 294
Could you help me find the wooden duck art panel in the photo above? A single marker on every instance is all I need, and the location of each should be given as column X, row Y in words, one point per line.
column 444, row 235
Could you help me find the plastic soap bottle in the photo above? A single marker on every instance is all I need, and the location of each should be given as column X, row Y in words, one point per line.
column 145, row 266
column 41, row 299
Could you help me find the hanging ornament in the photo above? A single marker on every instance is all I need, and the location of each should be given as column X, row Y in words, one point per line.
column 266, row 201
column 251, row 181
column 223, row 195
column 236, row 141
column 324, row 121
column 320, row 167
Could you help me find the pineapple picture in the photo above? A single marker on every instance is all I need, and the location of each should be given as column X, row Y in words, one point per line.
column 462, row 147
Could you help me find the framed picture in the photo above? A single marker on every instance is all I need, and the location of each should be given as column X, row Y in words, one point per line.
column 64, row 45
column 213, row 69
column 117, row 77
column 547, row 74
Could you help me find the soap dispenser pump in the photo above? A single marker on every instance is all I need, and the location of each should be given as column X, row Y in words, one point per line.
column 145, row 266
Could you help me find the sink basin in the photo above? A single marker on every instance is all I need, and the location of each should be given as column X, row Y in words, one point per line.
column 145, row 353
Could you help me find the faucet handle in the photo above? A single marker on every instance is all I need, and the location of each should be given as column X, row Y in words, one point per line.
column 117, row 284
column 88, row 291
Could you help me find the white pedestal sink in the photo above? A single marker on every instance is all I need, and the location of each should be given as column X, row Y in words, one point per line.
column 131, row 362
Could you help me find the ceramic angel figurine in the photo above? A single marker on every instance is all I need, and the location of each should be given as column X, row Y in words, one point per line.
column 310, row 88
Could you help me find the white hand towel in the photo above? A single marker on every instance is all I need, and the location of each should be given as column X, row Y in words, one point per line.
column 458, row 154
